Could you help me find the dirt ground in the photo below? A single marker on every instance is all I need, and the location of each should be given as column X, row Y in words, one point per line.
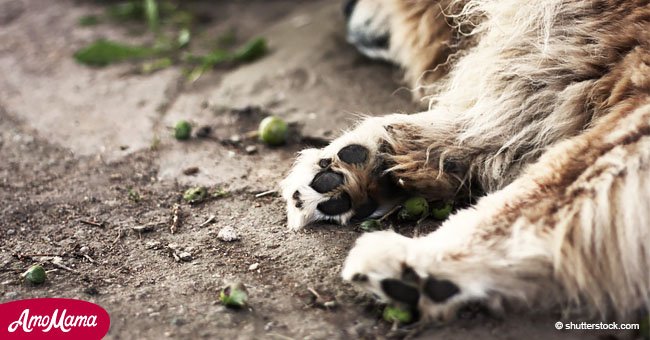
column 75, row 141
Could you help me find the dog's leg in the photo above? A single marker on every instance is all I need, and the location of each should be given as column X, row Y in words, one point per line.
column 572, row 229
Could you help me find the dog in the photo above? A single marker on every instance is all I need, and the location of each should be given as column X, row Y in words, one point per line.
column 539, row 112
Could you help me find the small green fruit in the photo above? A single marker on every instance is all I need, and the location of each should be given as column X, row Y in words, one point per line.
column 36, row 274
column 234, row 296
column 370, row 225
column 396, row 314
column 273, row 130
column 414, row 208
column 442, row 209
column 195, row 195
column 183, row 130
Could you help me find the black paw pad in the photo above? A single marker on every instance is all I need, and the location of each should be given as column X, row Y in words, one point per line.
column 324, row 163
column 358, row 277
column 439, row 290
column 336, row 205
column 409, row 275
column 364, row 210
column 296, row 197
column 353, row 154
column 326, row 181
column 400, row 291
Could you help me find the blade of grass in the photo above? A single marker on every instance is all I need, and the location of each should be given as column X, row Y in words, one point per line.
column 152, row 14
column 104, row 52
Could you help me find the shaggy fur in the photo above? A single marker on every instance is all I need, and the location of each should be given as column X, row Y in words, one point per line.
column 546, row 108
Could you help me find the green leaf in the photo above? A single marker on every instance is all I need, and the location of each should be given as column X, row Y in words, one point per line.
column 253, row 50
column 152, row 14
column 370, row 225
column 396, row 314
column 195, row 195
column 155, row 65
column 184, row 37
column 104, row 52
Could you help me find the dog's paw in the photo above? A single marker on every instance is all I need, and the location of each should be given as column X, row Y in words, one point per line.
column 344, row 181
column 398, row 270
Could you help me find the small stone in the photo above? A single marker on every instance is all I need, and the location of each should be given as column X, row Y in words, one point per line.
column 251, row 149
column 11, row 232
column 11, row 295
column 177, row 321
column 228, row 234
column 253, row 266
column 84, row 250
column 185, row 256
column 193, row 170
column 91, row 291
column 153, row 245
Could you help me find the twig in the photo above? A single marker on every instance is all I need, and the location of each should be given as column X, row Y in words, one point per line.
column 266, row 193
column 279, row 336
column 95, row 224
column 315, row 293
column 208, row 221
column 119, row 235
column 176, row 218
column 390, row 212
column 89, row 258
column 57, row 263
column 36, row 255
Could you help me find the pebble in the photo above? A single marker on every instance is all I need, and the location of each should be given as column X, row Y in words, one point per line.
column 153, row 245
column 185, row 256
column 251, row 149
column 254, row 266
column 191, row 171
column 11, row 232
column 228, row 234
column 11, row 295
column 84, row 250
column 177, row 321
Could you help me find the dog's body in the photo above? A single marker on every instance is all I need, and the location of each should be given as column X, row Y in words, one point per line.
column 546, row 108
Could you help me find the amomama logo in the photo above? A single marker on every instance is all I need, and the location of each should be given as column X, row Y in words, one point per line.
column 53, row 318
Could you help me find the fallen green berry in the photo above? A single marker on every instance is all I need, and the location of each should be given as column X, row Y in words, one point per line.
column 182, row 130
column 414, row 208
column 36, row 274
column 273, row 130
column 396, row 314
column 234, row 296
column 370, row 225
column 195, row 195
column 440, row 210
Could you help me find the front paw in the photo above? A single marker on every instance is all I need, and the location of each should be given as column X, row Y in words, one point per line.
column 342, row 182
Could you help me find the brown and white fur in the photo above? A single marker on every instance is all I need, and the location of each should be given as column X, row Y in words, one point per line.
column 542, row 105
